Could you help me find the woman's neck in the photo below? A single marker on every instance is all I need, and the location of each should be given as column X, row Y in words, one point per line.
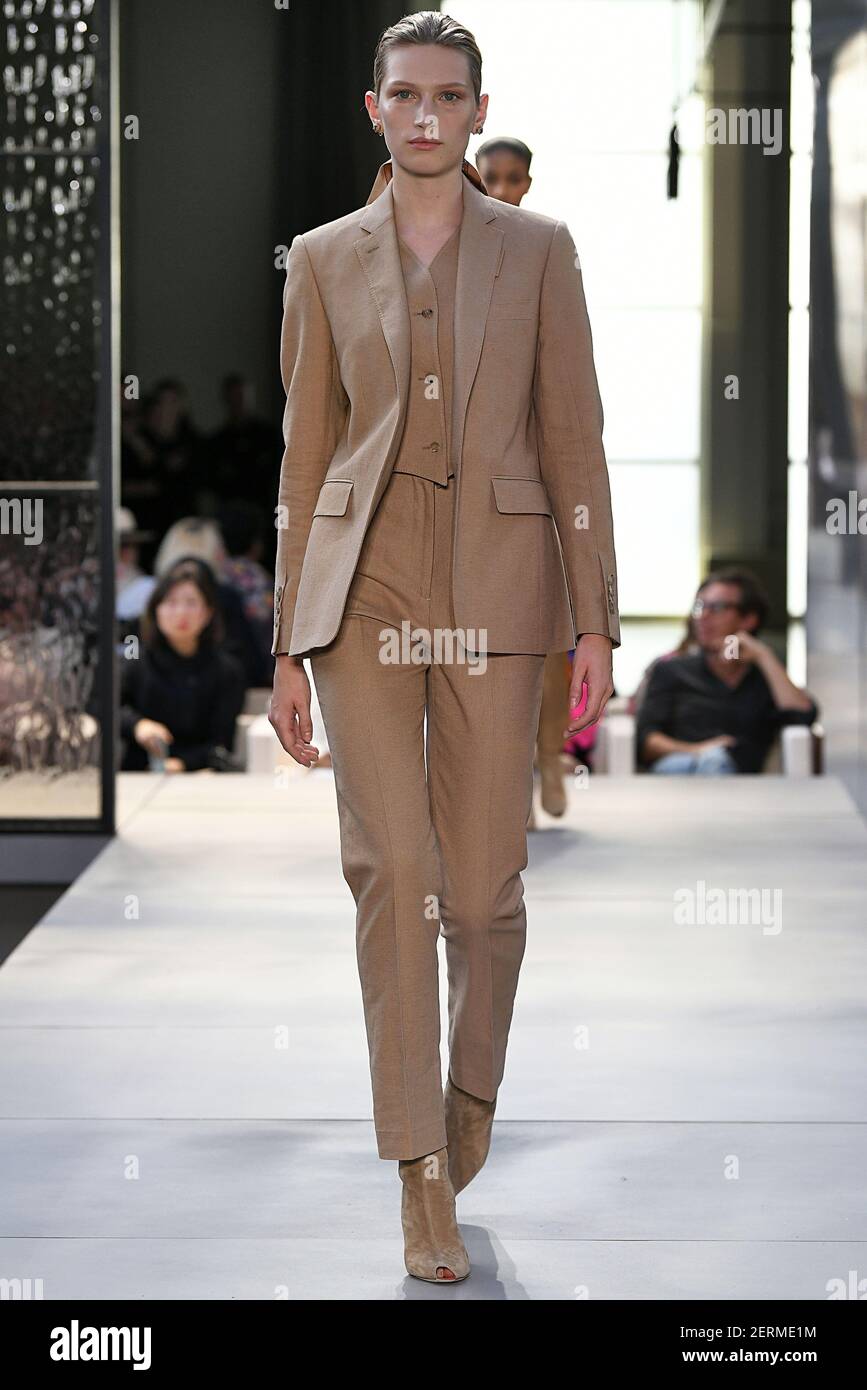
column 184, row 646
column 425, row 205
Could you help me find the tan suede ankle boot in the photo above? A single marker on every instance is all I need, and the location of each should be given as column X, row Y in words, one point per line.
column 433, row 1247
column 469, row 1121
column 553, row 791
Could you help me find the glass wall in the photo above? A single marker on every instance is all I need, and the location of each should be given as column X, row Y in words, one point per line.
column 56, row 374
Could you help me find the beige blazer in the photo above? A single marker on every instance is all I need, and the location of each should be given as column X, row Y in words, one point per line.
column 533, row 562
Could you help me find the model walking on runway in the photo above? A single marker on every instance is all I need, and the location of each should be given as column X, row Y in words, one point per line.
column 444, row 522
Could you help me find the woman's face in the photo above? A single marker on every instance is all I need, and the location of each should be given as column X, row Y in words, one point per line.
column 183, row 612
column 505, row 176
column 426, row 106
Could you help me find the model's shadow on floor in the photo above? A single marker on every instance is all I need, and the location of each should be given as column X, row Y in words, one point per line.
column 493, row 1275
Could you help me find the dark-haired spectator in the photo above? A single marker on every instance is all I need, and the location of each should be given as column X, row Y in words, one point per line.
column 717, row 710
column 200, row 538
column 182, row 694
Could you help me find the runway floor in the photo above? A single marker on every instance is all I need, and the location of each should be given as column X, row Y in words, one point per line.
column 185, row 1102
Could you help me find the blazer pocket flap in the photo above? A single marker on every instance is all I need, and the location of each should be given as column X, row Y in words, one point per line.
column 333, row 497
column 521, row 495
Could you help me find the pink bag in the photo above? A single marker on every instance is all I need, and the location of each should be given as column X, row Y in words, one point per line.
column 584, row 739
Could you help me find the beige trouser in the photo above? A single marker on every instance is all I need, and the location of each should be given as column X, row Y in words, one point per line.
column 429, row 847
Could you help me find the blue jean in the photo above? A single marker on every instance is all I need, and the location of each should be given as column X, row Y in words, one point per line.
column 711, row 762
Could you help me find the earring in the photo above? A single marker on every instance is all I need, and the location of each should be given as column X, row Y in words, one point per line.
column 479, row 130
column 376, row 128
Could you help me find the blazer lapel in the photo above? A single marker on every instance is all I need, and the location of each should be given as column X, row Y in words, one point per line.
column 479, row 255
column 379, row 255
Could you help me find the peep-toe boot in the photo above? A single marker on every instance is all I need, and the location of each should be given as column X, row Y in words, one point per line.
column 433, row 1247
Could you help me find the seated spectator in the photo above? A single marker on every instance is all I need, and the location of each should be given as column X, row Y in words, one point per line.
column 181, row 696
column 717, row 710
column 200, row 537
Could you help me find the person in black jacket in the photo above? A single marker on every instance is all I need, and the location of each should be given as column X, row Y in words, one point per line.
column 181, row 696
column 717, row 710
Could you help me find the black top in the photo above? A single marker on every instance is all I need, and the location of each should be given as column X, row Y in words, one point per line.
column 687, row 701
column 251, row 648
column 198, row 698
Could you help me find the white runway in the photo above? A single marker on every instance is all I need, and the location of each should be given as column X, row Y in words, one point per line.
column 185, row 1096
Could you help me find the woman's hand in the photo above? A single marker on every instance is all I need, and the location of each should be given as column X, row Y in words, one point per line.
column 174, row 765
column 289, row 711
column 591, row 665
column 151, row 734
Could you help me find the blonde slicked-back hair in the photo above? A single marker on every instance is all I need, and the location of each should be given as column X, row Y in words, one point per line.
column 428, row 26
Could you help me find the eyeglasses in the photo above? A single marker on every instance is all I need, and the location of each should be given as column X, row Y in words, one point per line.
column 717, row 606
